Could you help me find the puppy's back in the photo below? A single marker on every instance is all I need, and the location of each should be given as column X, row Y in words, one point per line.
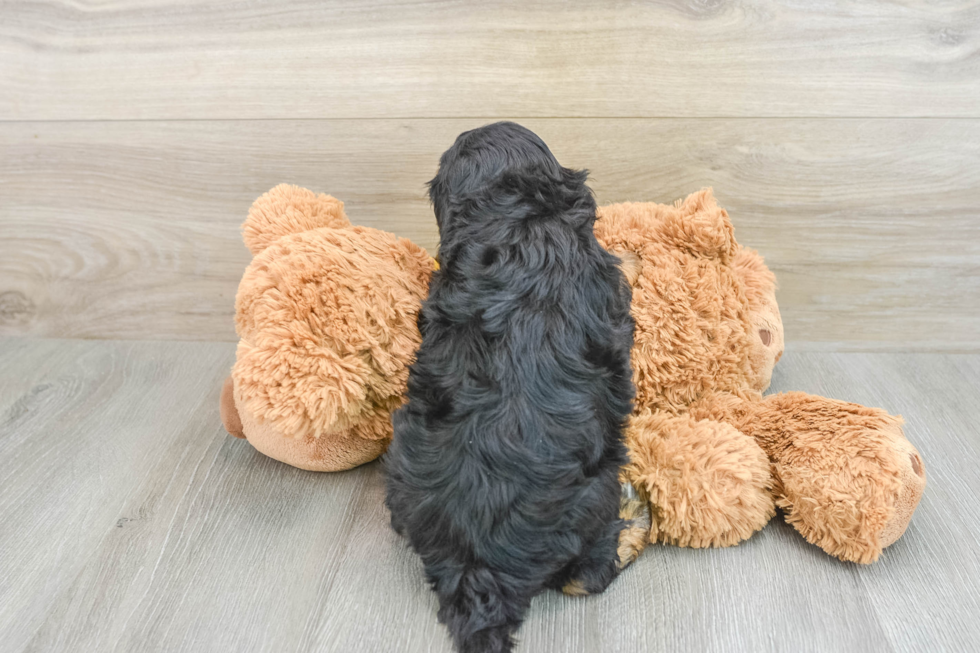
column 504, row 465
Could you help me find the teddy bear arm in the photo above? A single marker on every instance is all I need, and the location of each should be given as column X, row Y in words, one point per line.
column 845, row 475
column 707, row 483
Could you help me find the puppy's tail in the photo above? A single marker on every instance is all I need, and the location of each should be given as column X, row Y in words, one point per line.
column 480, row 613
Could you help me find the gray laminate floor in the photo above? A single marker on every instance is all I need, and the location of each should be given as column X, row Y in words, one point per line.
column 130, row 521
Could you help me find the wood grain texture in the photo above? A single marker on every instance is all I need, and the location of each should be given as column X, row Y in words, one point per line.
column 139, row 59
column 130, row 229
column 938, row 396
column 90, row 425
column 132, row 522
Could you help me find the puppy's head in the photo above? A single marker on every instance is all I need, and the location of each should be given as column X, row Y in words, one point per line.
column 501, row 171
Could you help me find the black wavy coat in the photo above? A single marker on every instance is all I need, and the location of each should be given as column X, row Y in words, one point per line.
column 503, row 470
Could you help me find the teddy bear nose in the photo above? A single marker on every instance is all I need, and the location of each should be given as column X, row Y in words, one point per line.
column 765, row 336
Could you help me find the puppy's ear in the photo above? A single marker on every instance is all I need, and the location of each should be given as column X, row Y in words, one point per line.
column 439, row 199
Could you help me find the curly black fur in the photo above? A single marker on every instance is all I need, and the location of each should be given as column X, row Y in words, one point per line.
column 503, row 469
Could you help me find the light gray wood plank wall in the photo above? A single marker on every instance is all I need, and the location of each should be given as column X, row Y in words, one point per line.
column 380, row 59
column 133, row 522
column 130, row 230
column 843, row 137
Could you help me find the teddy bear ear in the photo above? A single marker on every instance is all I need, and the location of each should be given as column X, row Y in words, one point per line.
column 698, row 224
column 288, row 210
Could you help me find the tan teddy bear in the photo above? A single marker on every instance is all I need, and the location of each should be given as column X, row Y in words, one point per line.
column 327, row 313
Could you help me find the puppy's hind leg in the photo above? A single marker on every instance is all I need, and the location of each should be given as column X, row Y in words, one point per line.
column 592, row 572
column 634, row 509
column 616, row 549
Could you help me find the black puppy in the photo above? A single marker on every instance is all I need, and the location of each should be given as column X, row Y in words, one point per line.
column 504, row 464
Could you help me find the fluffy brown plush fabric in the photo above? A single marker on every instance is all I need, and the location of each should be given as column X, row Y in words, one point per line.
column 713, row 454
column 327, row 321
column 327, row 316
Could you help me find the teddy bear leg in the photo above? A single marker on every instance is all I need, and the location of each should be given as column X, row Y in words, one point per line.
column 847, row 479
column 913, row 478
column 708, row 483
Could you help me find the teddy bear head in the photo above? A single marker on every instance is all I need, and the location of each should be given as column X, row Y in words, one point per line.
column 705, row 308
column 326, row 315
